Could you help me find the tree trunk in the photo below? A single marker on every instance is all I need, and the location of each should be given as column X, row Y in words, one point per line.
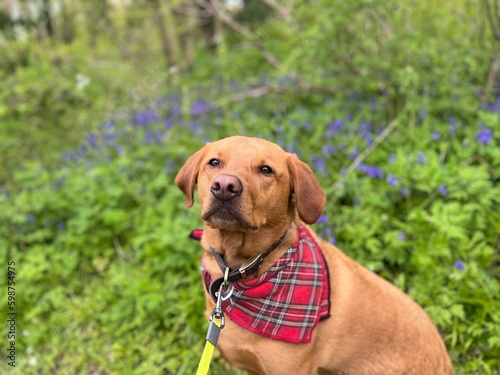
column 188, row 37
column 167, row 35
column 47, row 18
column 68, row 23
column 492, row 77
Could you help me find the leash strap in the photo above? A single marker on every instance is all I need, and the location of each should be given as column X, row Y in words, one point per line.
column 212, row 339
column 214, row 327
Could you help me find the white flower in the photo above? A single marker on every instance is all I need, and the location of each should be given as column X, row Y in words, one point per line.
column 234, row 6
column 82, row 81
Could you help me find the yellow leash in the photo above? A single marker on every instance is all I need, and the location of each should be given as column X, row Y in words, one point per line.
column 208, row 351
column 214, row 328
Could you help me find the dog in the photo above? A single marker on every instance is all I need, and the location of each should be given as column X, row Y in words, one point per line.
column 306, row 308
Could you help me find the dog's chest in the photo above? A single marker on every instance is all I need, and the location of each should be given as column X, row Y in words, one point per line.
column 287, row 301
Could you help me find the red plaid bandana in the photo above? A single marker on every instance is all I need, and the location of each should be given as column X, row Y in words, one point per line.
column 287, row 301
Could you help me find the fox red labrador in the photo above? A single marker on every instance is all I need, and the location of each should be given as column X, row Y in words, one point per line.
column 298, row 305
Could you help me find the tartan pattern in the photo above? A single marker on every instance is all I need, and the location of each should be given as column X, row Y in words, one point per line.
column 287, row 301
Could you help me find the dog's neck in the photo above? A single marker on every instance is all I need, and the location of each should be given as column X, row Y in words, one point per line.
column 236, row 247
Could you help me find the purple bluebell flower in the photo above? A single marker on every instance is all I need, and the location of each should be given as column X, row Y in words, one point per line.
column 92, row 141
column 168, row 124
column 108, row 126
column 30, row 218
column 291, row 148
column 369, row 138
column 5, row 193
column 402, row 236
column 283, row 80
column 200, row 107
column 82, row 151
column 334, row 127
column 443, row 190
column 453, row 125
column 152, row 137
column 371, row 171
column 328, row 150
column 494, row 107
column 392, row 180
column 60, row 226
column 420, row 158
column 436, row 136
column 328, row 231
column 353, row 153
column 332, row 240
column 459, row 265
column 364, row 126
column 109, row 139
column 144, row 118
column 392, row 158
column 405, row 191
column 60, row 182
column 149, row 137
column 175, row 110
column 195, row 126
column 170, row 167
column 484, row 136
column 68, row 156
column 323, row 219
column 422, row 113
column 319, row 165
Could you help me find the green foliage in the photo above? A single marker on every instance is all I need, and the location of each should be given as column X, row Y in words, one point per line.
column 108, row 280
column 102, row 241
column 52, row 93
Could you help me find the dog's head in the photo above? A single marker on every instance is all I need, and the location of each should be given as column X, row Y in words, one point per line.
column 249, row 183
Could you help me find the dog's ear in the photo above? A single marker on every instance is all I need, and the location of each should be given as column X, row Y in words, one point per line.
column 309, row 197
column 187, row 177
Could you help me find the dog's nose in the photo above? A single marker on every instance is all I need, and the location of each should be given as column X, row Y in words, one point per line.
column 226, row 187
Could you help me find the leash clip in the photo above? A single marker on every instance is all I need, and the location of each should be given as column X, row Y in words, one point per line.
column 225, row 291
column 217, row 312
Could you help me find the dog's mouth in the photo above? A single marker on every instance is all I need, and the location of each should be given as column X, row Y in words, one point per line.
column 225, row 216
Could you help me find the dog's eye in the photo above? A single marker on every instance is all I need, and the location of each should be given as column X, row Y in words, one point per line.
column 214, row 162
column 266, row 169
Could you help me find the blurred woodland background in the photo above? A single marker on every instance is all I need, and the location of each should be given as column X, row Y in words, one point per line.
column 394, row 104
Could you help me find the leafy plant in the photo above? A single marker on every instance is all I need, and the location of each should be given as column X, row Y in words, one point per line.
column 102, row 241
column 380, row 97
